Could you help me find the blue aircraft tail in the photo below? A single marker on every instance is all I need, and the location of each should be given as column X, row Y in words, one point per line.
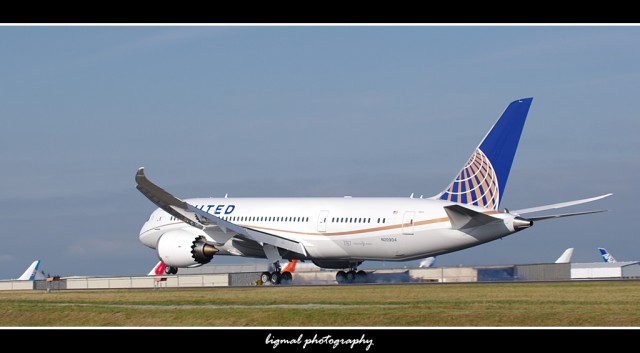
column 483, row 178
column 606, row 257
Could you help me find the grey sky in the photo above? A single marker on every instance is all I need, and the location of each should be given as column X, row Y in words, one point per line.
column 306, row 111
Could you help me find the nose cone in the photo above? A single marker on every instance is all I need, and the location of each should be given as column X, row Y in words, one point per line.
column 144, row 229
column 148, row 236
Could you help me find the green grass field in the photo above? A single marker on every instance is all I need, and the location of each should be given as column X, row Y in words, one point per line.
column 460, row 305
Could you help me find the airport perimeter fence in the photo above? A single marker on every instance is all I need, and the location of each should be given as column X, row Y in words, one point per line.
column 532, row 272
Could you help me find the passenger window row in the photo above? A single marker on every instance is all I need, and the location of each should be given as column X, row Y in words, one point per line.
column 355, row 220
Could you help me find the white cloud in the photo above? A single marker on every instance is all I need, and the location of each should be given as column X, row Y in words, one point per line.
column 6, row 258
column 93, row 246
column 168, row 37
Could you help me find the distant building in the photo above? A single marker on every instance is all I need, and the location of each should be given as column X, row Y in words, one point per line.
column 605, row 270
column 211, row 268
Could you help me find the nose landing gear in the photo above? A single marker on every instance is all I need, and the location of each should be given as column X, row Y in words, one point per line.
column 171, row 270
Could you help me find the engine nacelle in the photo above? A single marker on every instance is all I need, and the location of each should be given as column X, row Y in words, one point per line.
column 179, row 248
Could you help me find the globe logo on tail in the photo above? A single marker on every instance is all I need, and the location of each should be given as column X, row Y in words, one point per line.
column 476, row 184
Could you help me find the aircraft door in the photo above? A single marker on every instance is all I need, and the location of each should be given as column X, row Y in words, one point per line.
column 407, row 222
column 322, row 221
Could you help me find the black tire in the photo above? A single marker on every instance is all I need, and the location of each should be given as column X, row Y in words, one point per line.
column 171, row 270
column 276, row 278
column 361, row 277
column 341, row 277
column 351, row 276
column 287, row 277
column 265, row 277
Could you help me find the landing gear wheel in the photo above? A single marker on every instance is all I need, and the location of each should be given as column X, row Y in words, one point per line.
column 351, row 276
column 171, row 270
column 287, row 277
column 276, row 278
column 265, row 277
column 361, row 277
column 341, row 277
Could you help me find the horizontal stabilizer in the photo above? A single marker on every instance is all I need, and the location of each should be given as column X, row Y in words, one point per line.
column 558, row 205
column 542, row 218
column 463, row 218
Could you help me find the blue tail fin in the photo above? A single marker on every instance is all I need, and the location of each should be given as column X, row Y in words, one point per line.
column 606, row 257
column 483, row 178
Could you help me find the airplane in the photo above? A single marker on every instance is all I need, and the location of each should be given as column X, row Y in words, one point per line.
column 606, row 257
column 428, row 262
column 565, row 257
column 158, row 269
column 290, row 266
column 32, row 273
column 342, row 232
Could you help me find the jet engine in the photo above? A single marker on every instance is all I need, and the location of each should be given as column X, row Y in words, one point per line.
column 179, row 248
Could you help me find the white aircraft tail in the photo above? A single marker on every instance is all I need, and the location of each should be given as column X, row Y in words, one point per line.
column 606, row 257
column 32, row 273
column 565, row 257
column 428, row 262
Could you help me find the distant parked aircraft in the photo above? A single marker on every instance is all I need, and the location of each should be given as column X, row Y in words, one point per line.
column 32, row 273
column 565, row 257
column 606, row 257
column 428, row 262
column 158, row 269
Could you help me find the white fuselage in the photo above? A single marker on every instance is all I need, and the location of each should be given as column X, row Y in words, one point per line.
column 340, row 228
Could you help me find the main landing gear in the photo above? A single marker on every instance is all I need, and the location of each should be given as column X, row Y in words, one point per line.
column 351, row 276
column 276, row 277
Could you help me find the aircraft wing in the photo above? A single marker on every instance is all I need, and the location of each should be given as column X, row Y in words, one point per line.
column 205, row 221
column 559, row 205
